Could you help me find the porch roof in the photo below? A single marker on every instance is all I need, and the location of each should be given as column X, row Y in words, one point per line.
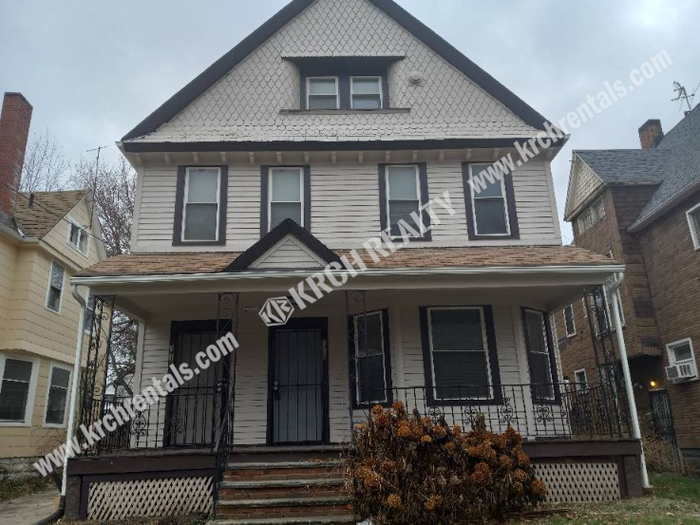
column 184, row 263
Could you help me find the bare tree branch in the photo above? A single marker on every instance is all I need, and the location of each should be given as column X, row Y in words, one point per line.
column 45, row 166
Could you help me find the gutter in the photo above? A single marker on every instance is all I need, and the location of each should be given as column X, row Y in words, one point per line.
column 375, row 272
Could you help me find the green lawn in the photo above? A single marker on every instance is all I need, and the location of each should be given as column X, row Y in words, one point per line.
column 676, row 501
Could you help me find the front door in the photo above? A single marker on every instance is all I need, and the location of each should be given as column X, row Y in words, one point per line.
column 298, row 375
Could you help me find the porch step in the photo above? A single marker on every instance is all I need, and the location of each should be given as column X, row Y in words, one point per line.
column 316, row 520
column 282, row 488
column 301, row 507
column 280, row 470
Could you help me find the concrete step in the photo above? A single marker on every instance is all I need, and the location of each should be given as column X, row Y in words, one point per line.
column 315, row 520
column 296, row 507
column 281, row 488
column 277, row 470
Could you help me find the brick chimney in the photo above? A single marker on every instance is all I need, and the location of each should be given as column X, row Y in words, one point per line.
column 650, row 134
column 14, row 131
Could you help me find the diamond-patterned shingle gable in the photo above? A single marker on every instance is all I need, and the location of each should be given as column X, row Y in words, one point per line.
column 245, row 104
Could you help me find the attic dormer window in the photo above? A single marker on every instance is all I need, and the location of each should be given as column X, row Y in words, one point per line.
column 366, row 92
column 78, row 238
column 322, row 93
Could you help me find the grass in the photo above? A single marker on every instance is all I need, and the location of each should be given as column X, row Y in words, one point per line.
column 15, row 489
column 676, row 501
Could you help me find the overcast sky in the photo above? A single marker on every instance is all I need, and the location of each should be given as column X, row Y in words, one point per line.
column 94, row 69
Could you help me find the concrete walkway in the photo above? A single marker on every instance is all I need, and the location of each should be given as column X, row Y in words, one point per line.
column 28, row 509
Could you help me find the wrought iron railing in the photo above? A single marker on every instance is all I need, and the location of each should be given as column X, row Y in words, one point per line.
column 561, row 410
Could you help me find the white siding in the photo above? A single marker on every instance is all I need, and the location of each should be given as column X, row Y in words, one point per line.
column 288, row 253
column 157, row 206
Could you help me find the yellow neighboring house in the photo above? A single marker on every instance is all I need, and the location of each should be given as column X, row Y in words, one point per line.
column 45, row 238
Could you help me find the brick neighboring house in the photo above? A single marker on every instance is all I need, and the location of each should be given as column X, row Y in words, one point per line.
column 643, row 207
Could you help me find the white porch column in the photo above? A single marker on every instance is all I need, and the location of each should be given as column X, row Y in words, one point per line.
column 634, row 419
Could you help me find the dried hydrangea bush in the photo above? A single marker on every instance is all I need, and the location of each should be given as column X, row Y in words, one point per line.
column 406, row 469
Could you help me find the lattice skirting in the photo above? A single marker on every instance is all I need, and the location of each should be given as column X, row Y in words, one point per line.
column 580, row 482
column 116, row 500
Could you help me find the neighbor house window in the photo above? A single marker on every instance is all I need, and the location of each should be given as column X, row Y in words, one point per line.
column 89, row 313
column 286, row 196
column 57, row 398
column 490, row 202
column 681, row 354
column 540, row 355
column 591, row 215
column 366, row 92
column 580, row 380
column 569, row 321
column 56, row 278
column 200, row 217
column 78, row 238
column 322, row 93
column 403, row 199
column 372, row 372
column 18, row 379
column 694, row 222
column 459, row 353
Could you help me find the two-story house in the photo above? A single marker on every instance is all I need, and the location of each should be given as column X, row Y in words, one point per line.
column 642, row 207
column 45, row 239
column 289, row 156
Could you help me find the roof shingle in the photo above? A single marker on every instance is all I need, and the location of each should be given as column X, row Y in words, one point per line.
column 47, row 209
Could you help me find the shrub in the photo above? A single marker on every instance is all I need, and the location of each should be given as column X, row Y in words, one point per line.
column 406, row 469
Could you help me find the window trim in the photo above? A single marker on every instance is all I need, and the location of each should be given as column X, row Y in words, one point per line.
column 327, row 77
column 670, row 347
column 69, row 369
column 573, row 321
column 581, row 386
column 266, row 192
column 48, row 287
column 179, row 222
column 694, row 229
column 551, row 352
column 352, row 347
column 82, row 231
column 489, row 332
column 512, row 222
column 31, row 393
column 422, row 194
column 588, row 213
column 379, row 78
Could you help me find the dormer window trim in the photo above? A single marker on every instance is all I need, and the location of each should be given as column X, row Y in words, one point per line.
column 380, row 93
column 309, row 95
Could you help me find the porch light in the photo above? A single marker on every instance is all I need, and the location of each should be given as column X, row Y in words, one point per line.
column 653, row 384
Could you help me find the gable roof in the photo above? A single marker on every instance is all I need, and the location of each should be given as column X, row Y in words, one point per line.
column 47, row 209
column 235, row 56
column 627, row 166
column 279, row 232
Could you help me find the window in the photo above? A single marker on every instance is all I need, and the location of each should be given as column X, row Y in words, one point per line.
column 591, row 215
column 490, row 203
column 89, row 313
column 460, row 353
column 286, row 193
column 57, row 398
column 78, row 238
column 403, row 198
column 322, row 93
column 580, row 380
column 540, row 356
column 694, row 223
column 366, row 92
column 681, row 354
column 53, row 299
column 372, row 367
column 569, row 321
column 601, row 310
column 16, row 389
column 200, row 217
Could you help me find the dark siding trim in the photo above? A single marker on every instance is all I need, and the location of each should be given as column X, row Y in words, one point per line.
column 493, row 359
column 424, row 198
column 180, row 201
column 383, row 220
column 356, row 405
column 552, row 356
column 510, row 203
column 264, row 198
column 307, row 198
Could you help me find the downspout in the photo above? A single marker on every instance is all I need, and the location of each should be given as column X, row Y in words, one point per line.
column 636, row 431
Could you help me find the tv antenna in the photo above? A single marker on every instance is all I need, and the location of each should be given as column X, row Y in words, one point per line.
column 94, row 181
column 682, row 95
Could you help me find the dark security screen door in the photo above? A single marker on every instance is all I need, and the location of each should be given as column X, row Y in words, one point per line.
column 298, row 382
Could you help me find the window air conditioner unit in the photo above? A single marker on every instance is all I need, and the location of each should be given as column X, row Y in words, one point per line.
column 680, row 372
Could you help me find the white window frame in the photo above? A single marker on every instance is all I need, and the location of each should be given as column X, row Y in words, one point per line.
column 486, row 350
column 31, row 394
column 370, row 77
column 308, row 91
column 302, row 191
column 69, row 369
column 48, row 288
column 581, row 386
column 505, row 203
column 549, row 352
column 573, row 321
column 88, row 296
column 694, row 231
column 355, row 321
column 588, row 214
column 185, row 196
column 82, row 232
column 672, row 355
column 419, row 195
